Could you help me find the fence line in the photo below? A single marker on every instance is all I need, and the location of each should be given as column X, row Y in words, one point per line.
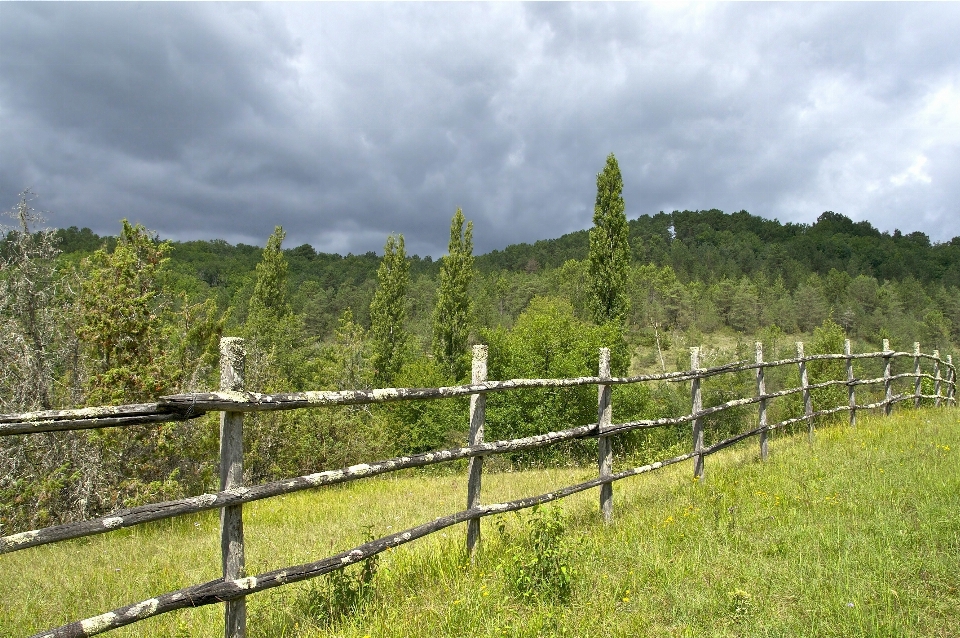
column 232, row 401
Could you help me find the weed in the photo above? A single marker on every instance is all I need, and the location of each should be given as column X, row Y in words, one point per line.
column 329, row 599
column 537, row 563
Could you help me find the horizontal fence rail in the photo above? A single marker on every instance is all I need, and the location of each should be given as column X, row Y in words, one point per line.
column 232, row 402
column 181, row 407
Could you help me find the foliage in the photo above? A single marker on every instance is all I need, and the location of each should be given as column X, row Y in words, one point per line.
column 336, row 595
column 388, row 312
column 421, row 426
column 547, row 341
column 828, row 338
column 609, row 247
column 34, row 337
column 120, row 320
column 537, row 561
column 270, row 294
column 452, row 313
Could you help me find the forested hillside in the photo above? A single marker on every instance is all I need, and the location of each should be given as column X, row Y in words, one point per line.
column 93, row 320
column 846, row 268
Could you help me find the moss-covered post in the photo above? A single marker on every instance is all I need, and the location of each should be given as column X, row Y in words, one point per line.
column 887, row 381
column 478, row 407
column 762, row 390
column 916, row 374
column 232, row 361
column 851, row 388
column 604, row 445
column 805, row 386
column 936, row 378
column 696, row 405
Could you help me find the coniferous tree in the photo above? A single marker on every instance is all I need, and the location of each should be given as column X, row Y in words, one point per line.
column 270, row 294
column 121, row 319
column 277, row 346
column 452, row 312
column 609, row 247
column 388, row 311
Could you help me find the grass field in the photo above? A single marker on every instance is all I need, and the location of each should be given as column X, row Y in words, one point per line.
column 858, row 535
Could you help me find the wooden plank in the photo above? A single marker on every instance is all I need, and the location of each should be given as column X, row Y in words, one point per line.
column 851, row 387
column 64, row 425
column 604, row 443
column 762, row 390
column 232, row 364
column 130, row 410
column 478, row 403
column 696, row 406
column 186, row 406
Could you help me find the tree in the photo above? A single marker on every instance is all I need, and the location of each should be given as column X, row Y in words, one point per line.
column 388, row 312
column 278, row 348
column 609, row 247
column 452, row 312
column 270, row 294
column 31, row 320
column 548, row 341
column 120, row 321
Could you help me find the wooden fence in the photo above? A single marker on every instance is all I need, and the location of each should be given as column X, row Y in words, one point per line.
column 232, row 401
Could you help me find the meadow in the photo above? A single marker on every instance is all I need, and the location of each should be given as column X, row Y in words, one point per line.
column 856, row 535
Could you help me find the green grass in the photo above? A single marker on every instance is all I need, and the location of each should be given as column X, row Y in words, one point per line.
column 857, row 536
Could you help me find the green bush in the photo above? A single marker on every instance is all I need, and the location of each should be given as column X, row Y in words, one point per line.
column 537, row 561
column 548, row 341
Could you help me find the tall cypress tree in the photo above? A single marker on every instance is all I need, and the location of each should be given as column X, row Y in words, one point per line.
column 269, row 299
column 609, row 247
column 451, row 315
column 388, row 311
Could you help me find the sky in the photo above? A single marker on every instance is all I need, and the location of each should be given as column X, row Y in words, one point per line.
column 344, row 123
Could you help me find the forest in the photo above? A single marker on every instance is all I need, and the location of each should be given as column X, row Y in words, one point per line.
column 93, row 320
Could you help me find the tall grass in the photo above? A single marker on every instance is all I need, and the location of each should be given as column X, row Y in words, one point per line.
column 858, row 535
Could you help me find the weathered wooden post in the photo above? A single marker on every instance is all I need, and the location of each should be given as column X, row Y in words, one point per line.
column 696, row 401
column 936, row 378
column 604, row 444
column 851, row 388
column 478, row 408
column 887, row 385
column 951, row 381
column 762, row 390
column 232, row 362
column 805, row 385
column 916, row 372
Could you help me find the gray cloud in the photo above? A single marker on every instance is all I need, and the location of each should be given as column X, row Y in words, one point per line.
column 346, row 122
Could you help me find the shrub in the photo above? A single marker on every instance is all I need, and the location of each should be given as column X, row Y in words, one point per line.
column 537, row 561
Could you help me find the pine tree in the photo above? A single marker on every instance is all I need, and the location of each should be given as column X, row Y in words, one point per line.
column 452, row 313
column 388, row 312
column 609, row 247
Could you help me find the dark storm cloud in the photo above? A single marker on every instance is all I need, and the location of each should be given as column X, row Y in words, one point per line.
column 346, row 122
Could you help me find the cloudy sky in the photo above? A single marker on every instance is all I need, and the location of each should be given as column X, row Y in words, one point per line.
column 345, row 122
